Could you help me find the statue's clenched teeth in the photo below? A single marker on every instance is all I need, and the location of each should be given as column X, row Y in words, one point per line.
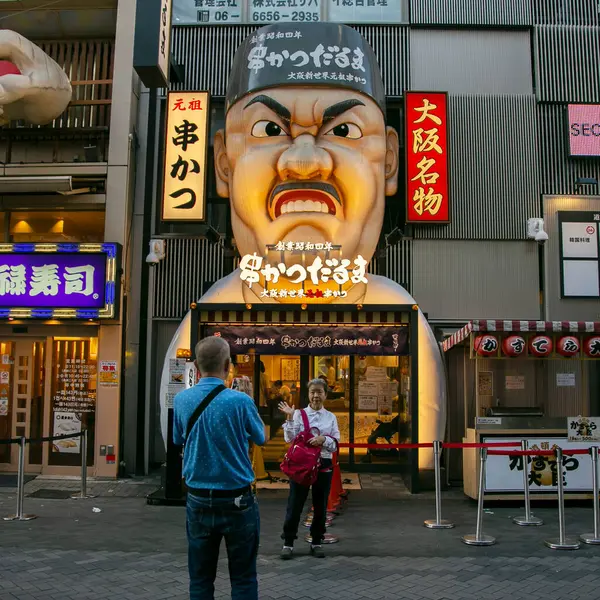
column 304, row 206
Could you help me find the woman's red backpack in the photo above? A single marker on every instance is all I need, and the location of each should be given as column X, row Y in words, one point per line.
column 302, row 461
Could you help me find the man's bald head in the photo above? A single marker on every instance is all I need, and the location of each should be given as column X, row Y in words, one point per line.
column 213, row 357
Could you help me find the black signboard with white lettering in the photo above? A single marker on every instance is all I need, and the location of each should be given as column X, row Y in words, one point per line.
column 314, row 339
column 152, row 47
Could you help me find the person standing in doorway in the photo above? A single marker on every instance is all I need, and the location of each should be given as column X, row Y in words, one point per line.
column 328, row 435
column 216, row 424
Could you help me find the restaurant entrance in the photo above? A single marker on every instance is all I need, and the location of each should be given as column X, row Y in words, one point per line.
column 22, row 381
column 369, row 396
column 47, row 387
column 367, row 357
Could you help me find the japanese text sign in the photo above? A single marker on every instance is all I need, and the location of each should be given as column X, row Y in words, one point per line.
column 583, row 429
column 262, row 12
column 57, row 280
column 152, row 47
column 505, row 473
column 584, row 129
column 322, row 279
column 314, row 340
column 287, row 54
column 428, row 192
column 164, row 38
column 186, row 141
column 579, row 254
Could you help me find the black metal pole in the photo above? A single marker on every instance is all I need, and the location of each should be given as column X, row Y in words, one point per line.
column 144, row 283
column 414, row 399
column 352, row 396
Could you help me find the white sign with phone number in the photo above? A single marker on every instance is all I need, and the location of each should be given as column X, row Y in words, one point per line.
column 263, row 12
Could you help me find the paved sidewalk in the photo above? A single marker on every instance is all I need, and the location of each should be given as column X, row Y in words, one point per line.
column 133, row 551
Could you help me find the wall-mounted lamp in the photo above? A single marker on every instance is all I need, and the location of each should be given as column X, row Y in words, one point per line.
column 395, row 236
column 582, row 181
column 157, row 252
column 535, row 231
column 212, row 235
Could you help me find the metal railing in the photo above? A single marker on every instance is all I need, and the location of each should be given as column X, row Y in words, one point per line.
column 20, row 515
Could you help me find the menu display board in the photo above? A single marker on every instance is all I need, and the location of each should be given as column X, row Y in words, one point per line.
column 263, row 12
column 73, row 405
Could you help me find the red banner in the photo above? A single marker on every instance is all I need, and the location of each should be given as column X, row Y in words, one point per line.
column 427, row 198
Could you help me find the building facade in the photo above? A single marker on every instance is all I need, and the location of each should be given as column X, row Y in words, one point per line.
column 510, row 71
column 67, row 193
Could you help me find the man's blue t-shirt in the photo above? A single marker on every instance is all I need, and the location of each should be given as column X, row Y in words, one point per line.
column 216, row 455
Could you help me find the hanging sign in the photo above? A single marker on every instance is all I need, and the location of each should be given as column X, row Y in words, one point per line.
column 314, row 339
column 152, row 48
column 186, row 142
column 428, row 192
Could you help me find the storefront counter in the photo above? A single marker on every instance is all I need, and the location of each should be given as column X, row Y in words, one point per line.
column 504, row 474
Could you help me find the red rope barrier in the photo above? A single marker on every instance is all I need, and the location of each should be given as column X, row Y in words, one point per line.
column 387, row 446
column 521, row 453
column 466, row 445
column 535, row 452
column 478, row 445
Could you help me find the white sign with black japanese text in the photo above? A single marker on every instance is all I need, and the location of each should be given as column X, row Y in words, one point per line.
column 505, row 473
column 583, row 429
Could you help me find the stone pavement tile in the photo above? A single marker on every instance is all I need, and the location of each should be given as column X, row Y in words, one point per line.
column 131, row 551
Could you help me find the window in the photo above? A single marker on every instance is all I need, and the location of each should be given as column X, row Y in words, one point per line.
column 57, row 226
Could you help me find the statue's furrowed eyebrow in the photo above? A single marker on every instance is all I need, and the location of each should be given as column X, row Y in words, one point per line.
column 335, row 110
column 281, row 111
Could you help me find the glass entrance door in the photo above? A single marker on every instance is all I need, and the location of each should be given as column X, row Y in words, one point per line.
column 381, row 406
column 22, row 369
column 370, row 397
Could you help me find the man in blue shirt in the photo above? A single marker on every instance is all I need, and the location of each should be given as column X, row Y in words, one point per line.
column 218, row 473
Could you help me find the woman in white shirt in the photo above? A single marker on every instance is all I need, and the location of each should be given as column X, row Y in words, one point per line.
column 329, row 435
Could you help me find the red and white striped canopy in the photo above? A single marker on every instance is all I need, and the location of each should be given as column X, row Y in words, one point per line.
column 501, row 326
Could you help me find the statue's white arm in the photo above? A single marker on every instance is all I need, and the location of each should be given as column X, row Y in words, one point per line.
column 41, row 92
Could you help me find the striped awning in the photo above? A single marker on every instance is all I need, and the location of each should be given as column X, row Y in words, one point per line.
column 503, row 326
column 300, row 317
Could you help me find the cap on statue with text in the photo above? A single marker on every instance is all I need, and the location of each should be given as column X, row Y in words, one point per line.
column 320, row 54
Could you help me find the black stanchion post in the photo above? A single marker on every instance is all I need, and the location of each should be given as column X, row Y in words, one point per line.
column 563, row 542
column 528, row 519
column 19, row 516
column 84, row 445
column 594, row 538
column 438, row 523
column 479, row 539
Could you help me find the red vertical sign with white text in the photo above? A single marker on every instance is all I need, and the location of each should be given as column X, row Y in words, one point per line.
column 428, row 192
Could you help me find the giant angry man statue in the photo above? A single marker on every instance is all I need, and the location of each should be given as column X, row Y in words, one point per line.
column 307, row 161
